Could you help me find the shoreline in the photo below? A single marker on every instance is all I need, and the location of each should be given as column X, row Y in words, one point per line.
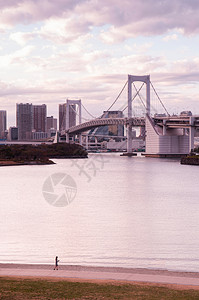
column 37, row 281
column 12, row 163
column 166, row 272
column 79, row 273
column 94, row 268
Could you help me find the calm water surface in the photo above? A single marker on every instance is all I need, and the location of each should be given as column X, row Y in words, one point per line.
column 128, row 212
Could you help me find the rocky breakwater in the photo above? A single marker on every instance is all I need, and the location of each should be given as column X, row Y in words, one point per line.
column 190, row 160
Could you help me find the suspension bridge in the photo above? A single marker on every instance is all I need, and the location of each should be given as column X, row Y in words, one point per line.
column 165, row 135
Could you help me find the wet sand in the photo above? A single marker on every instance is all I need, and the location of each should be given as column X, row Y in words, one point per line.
column 100, row 269
column 179, row 280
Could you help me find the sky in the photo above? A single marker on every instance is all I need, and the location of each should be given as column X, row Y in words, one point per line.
column 51, row 51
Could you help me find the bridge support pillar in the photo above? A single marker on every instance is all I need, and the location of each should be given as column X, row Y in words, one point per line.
column 164, row 127
column 86, row 142
column 80, row 138
column 129, row 139
column 191, row 133
column 67, row 137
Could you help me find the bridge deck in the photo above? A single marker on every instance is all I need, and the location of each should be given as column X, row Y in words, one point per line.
column 169, row 122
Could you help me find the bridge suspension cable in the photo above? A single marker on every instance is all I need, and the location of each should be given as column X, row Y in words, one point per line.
column 118, row 96
column 139, row 95
column 106, row 110
column 88, row 112
column 134, row 96
column 78, row 114
column 160, row 99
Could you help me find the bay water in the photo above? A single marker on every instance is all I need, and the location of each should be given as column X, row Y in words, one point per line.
column 132, row 212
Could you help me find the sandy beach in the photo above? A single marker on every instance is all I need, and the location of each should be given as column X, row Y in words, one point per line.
column 182, row 280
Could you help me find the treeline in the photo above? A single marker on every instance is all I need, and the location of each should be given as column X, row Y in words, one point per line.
column 40, row 152
column 64, row 150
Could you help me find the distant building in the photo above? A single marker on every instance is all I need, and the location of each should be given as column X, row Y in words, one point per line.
column 117, row 130
column 39, row 135
column 159, row 115
column 112, row 130
column 62, row 117
column 40, row 118
column 31, row 119
column 52, row 132
column 3, row 122
column 13, row 134
column 51, row 126
column 51, row 123
column 186, row 113
column 121, row 146
column 24, row 120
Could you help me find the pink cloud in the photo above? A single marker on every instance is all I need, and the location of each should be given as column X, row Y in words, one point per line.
column 127, row 19
column 140, row 17
column 30, row 11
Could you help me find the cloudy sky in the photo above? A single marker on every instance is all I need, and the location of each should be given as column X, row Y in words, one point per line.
column 52, row 50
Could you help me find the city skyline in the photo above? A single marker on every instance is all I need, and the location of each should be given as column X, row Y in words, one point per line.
column 41, row 119
column 32, row 121
column 85, row 49
column 58, row 118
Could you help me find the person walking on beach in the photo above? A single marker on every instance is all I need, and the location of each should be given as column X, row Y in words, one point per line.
column 56, row 263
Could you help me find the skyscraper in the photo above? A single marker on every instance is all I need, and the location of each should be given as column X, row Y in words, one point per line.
column 62, row 117
column 51, row 126
column 51, row 123
column 12, row 134
column 24, row 120
column 39, row 118
column 2, row 123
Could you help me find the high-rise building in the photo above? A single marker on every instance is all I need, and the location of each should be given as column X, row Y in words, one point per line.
column 2, row 123
column 39, row 118
column 24, row 118
column 51, row 126
column 109, row 130
column 51, row 123
column 39, row 135
column 117, row 130
column 112, row 130
column 62, row 117
column 13, row 134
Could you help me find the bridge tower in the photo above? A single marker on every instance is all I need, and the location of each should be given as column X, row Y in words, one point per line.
column 71, row 113
column 131, row 79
